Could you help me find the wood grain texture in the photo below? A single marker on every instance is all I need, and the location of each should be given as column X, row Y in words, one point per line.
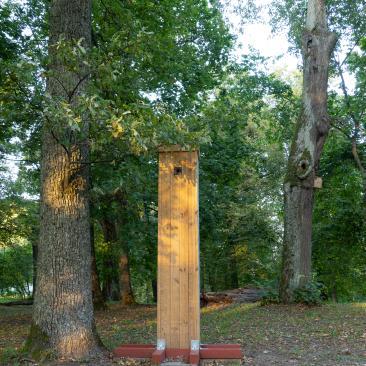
column 193, row 229
column 178, row 249
column 164, row 227
column 175, row 252
column 183, row 251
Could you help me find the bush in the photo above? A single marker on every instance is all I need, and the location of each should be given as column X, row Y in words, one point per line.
column 310, row 294
column 16, row 268
column 270, row 297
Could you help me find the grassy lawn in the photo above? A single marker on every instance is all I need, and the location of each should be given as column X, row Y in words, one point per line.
column 333, row 334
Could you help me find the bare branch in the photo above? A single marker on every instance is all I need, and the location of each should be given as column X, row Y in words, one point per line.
column 60, row 143
column 340, row 130
column 71, row 94
column 350, row 51
column 61, row 84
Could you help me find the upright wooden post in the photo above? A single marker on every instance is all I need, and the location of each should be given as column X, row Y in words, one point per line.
column 178, row 250
column 178, row 323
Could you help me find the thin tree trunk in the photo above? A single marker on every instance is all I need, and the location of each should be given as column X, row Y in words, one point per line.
column 117, row 281
column 211, row 279
column 154, row 285
column 126, row 293
column 34, row 259
column 233, row 270
column 311, row 131
column 98, row 300
column 34, row 240
column 334, row 294
column 361, row 168
column 111, row 290
column 356, row 133
column 63, row 320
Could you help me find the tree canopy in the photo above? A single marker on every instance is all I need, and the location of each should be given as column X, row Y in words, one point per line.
column 165, row 72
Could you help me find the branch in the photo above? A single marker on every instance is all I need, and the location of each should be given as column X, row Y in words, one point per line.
column 357, row 157
column 59, row 81
column 20, row 160
column 350, row 51
column 340, row 130
column 71, row 94
column 354, row 119
column 59, row 142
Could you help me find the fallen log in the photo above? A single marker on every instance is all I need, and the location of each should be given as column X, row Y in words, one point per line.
column 240, row 295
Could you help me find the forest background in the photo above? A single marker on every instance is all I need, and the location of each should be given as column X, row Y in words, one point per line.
column 170, row 73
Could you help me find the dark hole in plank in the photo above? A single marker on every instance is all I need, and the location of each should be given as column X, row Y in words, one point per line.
column 178, row 170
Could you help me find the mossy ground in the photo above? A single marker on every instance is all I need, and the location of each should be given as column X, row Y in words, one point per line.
column 332, row 334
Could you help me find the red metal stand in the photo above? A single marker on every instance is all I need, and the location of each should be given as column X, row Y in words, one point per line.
column 206, row 351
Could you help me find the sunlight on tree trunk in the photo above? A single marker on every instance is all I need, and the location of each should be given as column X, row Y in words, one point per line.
column 63, row 321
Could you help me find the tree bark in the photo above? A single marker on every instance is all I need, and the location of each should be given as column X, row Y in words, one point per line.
column 98, row 300
column 311, row 131
column 154, row 285
column 63, row 320
column 34, row 261
column 233, row 270
column 126, row 293
column 117, row 279
column 111, row 290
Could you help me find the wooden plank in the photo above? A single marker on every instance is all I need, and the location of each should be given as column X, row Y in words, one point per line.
column 164, row 243
column 175, row 252
column 184, row 249
column 178, row 249
column 194, row 300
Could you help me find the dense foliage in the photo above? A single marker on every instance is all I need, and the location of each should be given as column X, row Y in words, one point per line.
column 162, row 73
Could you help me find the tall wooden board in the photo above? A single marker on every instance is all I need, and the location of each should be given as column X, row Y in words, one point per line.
column 178, row 248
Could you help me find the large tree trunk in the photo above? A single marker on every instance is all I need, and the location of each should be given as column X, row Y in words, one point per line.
column 311, row 131
column 63, row 321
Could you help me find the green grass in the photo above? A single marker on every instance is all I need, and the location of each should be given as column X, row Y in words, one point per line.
column 332, row 334
column 4, row 299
